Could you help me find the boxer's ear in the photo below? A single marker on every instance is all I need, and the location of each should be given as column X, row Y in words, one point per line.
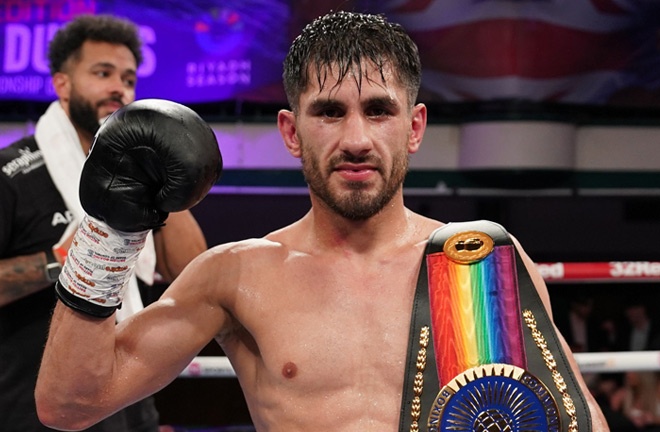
column 286, row 123
column 418, row 127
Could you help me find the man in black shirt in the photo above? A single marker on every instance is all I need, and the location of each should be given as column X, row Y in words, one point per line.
column 93, row 63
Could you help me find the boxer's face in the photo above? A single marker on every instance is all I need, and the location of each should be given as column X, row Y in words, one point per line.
column 101, row 81
column 354, row 143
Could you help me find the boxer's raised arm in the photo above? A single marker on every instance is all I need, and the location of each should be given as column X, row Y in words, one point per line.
column 92, row 368
column 149, row 158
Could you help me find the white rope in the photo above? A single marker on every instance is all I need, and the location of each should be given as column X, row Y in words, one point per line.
column 620, row 361
column 209, row 367
column 605, row 362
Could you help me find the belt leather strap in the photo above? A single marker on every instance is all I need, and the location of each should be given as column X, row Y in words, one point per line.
column 416, row 403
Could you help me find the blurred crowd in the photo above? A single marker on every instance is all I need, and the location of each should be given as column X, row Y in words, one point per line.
column 630, row 400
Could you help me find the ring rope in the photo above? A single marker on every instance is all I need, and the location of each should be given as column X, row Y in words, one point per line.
column 600, row 362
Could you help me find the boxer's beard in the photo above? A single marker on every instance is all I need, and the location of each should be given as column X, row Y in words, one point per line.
column 358, row 204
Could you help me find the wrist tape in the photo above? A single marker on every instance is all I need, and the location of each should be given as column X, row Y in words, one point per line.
column 99, row 264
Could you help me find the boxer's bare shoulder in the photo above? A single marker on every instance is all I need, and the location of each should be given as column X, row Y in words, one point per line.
column 292, row 268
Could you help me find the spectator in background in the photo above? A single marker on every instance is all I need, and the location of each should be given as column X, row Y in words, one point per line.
column 636, row 399
column 584, row 331
column 638, row 331
column 607, row 390
column 93, row 63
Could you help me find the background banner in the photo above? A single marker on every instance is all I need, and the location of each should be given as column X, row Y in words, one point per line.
column 595, row 52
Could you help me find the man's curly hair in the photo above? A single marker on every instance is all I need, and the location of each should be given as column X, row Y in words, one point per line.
column 68, row 41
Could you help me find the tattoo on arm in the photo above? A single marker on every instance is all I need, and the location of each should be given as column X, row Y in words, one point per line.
column 22, row 276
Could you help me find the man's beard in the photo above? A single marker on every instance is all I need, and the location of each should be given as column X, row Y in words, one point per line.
column 358, row 204
column 83, row 114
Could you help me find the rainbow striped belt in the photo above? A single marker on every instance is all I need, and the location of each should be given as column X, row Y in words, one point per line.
column 483, row 354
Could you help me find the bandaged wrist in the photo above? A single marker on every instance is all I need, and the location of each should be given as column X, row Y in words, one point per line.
column 99, row 264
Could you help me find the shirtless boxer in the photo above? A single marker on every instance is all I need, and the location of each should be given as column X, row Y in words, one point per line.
column 314, row 317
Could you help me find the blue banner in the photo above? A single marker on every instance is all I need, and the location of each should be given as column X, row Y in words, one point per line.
column 193, row 51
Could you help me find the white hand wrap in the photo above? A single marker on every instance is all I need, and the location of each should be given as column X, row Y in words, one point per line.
column 100, row 262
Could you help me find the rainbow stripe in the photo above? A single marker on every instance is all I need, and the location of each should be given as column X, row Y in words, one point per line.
column 475, row 312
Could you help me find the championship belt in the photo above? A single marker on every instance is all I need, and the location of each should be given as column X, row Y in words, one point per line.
column 483, row 354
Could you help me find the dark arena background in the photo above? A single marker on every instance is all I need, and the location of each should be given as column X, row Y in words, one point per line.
column 543, row 116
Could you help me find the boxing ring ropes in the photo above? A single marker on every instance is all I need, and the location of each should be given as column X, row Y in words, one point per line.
column 557, row 272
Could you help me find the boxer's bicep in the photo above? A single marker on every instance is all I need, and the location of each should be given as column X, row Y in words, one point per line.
column 154, row 346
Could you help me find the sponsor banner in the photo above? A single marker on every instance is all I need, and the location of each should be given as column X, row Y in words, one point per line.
column 193, row 51
column 643, row 271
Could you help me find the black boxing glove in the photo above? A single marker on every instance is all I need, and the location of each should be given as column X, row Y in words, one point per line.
column 149, row 158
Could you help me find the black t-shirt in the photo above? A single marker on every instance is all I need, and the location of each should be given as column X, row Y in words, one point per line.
column 33, row 217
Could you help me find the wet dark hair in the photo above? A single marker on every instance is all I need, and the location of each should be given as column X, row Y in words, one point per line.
column 348, row 40
column 68, row 40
